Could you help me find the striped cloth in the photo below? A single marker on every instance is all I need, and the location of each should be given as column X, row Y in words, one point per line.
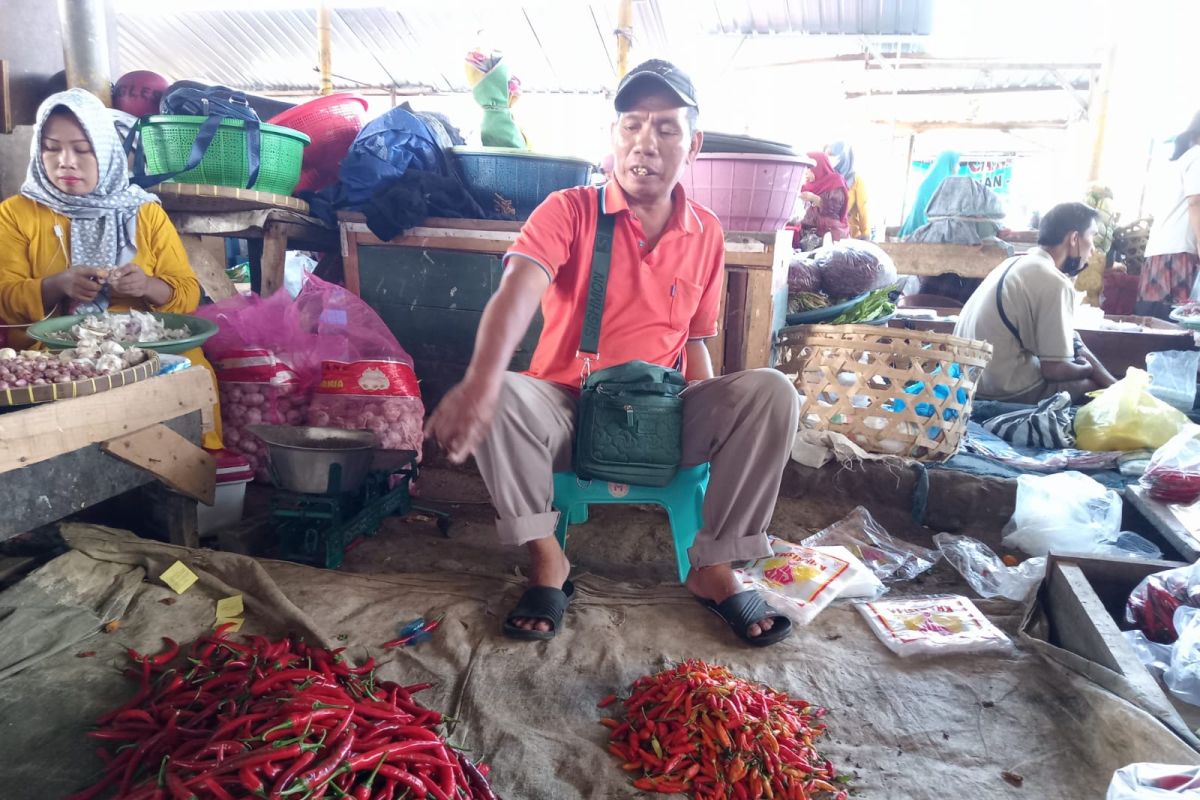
column 1046, row 426
column 1168, row 278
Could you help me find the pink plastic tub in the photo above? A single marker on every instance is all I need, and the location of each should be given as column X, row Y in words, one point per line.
column 747, row 192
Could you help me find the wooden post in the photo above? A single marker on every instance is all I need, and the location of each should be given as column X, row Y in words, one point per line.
column 325, row 48
column 912, row 141
column 274, row 252
column 1099, row 108
column 202, row 253
column 624, row 35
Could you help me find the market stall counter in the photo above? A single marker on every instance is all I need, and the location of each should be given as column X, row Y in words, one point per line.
column 61, row 457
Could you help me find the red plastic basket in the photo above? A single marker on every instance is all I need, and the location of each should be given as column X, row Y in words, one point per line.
column 331, row 122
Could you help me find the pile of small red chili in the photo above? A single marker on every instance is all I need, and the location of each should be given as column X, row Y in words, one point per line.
column 698, row 729
column 274, row 719
column 1173, row 485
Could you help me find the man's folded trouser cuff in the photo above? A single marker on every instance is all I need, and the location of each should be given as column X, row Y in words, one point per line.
column 520, row 530
column 725, row 550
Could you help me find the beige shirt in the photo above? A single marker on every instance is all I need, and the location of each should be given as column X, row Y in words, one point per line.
column 1039, row 300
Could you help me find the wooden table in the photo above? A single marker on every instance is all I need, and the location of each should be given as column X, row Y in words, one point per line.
column 431, row 284
column 59, row 458
column 931, row 260
column 207, row 215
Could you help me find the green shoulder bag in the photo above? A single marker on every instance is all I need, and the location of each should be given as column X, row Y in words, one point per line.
column 630, row 422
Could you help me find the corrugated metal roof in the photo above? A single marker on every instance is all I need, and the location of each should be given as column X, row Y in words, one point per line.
column 552, row 45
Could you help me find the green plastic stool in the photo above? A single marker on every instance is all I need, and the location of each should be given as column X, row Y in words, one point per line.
column 683, row 498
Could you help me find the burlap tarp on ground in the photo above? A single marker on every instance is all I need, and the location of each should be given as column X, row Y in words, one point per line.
column 932, row 728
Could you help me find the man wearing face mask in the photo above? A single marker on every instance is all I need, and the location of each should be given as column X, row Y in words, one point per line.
column 1026, row 309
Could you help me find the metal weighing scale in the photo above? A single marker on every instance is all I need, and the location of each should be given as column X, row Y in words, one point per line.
column 327, row 493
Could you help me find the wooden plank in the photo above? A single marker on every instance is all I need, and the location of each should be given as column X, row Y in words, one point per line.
column 913, row 258
column 166, row 455
column 274, row 252
column 66, row 484
column 350, row 259
column 716, row 345
column 1179, row 525
column 736, row 321
column 42, row 432
column 760, row 333
column 209, row 270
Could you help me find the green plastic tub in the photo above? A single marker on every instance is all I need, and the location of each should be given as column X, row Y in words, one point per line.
column 167, row 141
column 50, row 332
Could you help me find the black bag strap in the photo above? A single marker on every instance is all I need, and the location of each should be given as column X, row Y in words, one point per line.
column 589, row 338
column 1008, row 323
column 195, row 103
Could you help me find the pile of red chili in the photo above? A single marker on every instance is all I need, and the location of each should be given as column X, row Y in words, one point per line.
column 1173, row 485
column 698, row 729
column 278, row 719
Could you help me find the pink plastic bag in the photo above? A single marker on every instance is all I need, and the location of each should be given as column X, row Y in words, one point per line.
column 278, row 349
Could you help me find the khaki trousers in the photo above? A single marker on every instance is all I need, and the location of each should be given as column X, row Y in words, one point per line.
column 741, row 424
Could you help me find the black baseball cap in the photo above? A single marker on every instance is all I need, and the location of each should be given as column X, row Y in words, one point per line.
column 661, row 74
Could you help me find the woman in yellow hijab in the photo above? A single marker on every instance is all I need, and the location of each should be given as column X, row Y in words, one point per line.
column 79, row 238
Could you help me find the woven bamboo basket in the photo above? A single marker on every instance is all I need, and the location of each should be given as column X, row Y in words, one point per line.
column 891, row 391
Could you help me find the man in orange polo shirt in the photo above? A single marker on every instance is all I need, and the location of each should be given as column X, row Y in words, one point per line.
column 663, row 294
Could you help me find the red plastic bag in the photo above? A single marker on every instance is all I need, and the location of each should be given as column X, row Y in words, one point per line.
column 1152, row 604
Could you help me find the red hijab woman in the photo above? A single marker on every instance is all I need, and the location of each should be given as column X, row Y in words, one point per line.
column 828, row 206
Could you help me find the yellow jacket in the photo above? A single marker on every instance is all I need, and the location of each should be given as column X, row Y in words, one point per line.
column 30, row 251
column 856, row 198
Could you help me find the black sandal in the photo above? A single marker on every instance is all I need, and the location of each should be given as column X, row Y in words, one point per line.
column 540, row 602
column 747, row 608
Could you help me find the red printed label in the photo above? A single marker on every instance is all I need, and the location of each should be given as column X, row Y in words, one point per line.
column 253, row 366
column 368, row 379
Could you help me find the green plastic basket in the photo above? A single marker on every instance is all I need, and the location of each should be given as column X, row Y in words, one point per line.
column 167, row 141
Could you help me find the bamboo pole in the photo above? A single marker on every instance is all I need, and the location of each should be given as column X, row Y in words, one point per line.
column 624, row 35
column 325, row 48
column 1099, row 108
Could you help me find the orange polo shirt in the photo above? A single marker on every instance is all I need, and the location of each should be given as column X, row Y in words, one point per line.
column 656, row 300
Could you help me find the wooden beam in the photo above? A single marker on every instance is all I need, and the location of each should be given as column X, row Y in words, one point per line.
column 325, row 47
column 926, row 62
column 968, row 261
column 624, row 35
column 920, row 126
column 41, row 432
column 172, row 459
column 1077, row 86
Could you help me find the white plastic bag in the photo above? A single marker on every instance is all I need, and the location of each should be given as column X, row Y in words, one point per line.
column 984, row 570
column 945, row 623
column 799, row 581
column 889, row 558
column 1173, row 376
column 1067, row 512
column 1155, row 782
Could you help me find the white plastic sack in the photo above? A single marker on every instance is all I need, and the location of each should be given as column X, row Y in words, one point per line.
column 1183, row 674
column 1067, row 512
column 986, row 572
column 934, row 624
column 1155, row 782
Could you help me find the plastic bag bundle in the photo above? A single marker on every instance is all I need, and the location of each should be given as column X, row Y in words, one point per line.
column 1173, row 475
column 1155, row 782
column 933, row 624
